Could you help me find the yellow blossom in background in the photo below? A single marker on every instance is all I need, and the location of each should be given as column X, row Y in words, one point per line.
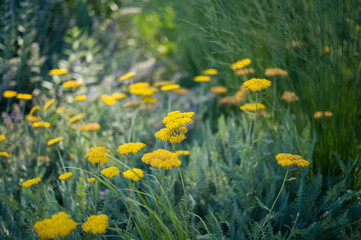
column 127, row 76
column 131, row 104
column 55, row 140
column 202, row 78
column 211, row 71
column 80, row 98
column 289, row 96
column 48, row 104
column 162, row 83
column 108, row 100
column 97, row 224
column 326, row 50
column 66, row 176
column 287, row 160
column 162, row 158
column 181, row 91
column 257, row 84
column 328, row 114
column 170, row 87
column 321, row 114
column 273, row 72
column 72, row 84
column 176, row 118
column 24, row 96
column 149, row 100
column 61, row 110
column 33, row 109
column 135, row 174
column 77, row 117
column 58, row 71
column 90, row 180
column 2, row 138
column 31, row 182
column 98, row 155
column 41, row 124
column 219, row 89
column 245, row 71
column 241, row 63
column 118, row 96
column 9, row 94
column 59, row 225
column 252, row 107
column 131, row 148
column 5, row 154
column 142, row 88
column 138, row 85
column 42, row 158
column 89, row 127
column 182, row 152
column 110, row 172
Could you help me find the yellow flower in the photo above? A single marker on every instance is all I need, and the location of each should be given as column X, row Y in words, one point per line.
column 31, row 182
column 61, row 110
column 170, row 87
column 286, row 160
column 252, row 107
column 110, row 172
column 321, row 114
column 176, row 118
column 98, row 155
column 72, row 84
column 77, row 117
column 5, row 154
column 9, row 94
column 33, row 109
column 127, row 76
column 97, row 224
column 138, row 85
column 80, row 98
column 118, row 96
column 328, row 114
column 24, row 96
column 182, row 152
column 171, row 135
column 162, row 158
column 273, row 72
column 66, row 176
column 89, row 127
column 59, row 225
column 131, row 148
column 32, row 118
column 42, row 158
column 142, row 88
column 245, row 71
column 136, row 174
column 149, row 100
column 241, row 64
column 48, row 104
column 41, row 124
column 108, row 99
column 2, row 138
column 162, row 83
column 210, row 72
column 131, row 104
column 90, row 180
column 55, row 140
column 219, row 89
column 58, row 71
column 257, row 84
column 289, row 96
column 202, row 78
column 181, row 91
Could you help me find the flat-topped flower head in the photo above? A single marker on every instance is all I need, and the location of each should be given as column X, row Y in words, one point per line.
column 257, row 84
column 149, row 100
column 5, row 154
column 31, row 182
column 80, row 98
column 32, row 118
column 252, row 107
column 131, row 148
column 97, row 224
column 2, row 138
column 89, row 127
column 91, row 180
column 58, row 71
column 110, row 172
column 24, row 96
column 108, row 100
column 48, row 104
column 162, row 158
column 245, row 71
column 65, row 176
column 33, row 109
column 77, row 117
column 288, row 160
column 202, row 78
column 241, row 63
column 219, row 89
column 162, row 83
column 118, row 95
column 176, row 119
column 72, row 84
column 9, row 94
column 273, row 72
column 182, row 152
column 173, row 135
column 181, row 91
column 41, row 125
column 289, row 96
column 131, row 104
column 135, row 174
column 210, row 71
column 54, row 140
column 170, row 87
column 98, row 155
column 127, row 76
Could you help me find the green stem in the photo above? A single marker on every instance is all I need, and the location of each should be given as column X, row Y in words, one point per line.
column 159, row 183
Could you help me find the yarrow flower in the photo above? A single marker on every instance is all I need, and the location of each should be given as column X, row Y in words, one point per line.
column 110, row 172
column 289, row 96
column 149, row 100
column 80, row 98
column 31, row 182
column 58, row 71
column 66, row 176
column 24, row 96
column 90, row 180
column 241, row 64
column 287, row 160
column 2, row 138
column 202, row 78
column 77, row 117
column 181, row 91
column 245, row 71
column 127, row 76
column 118, row 96
column 48, row 104
column 135, row 174
column 219, row 89
column 33, row 109
column 131, row 104
column 252, row 107
column 321, row 114
column 142, row 88
column 9, row 94
column 89, row 127
column 54, row 140
column 59, row 225
column 42, row 158
column 97, row 224
column 257, row 84
column 98, row 155
column 41, row 124
column 61, row 110
column 108, row 100
column 131, row 148
column 5, row 154
column 170, row 87
column 211, row 71
column 273, row 72
column 72, row 84
column 182, row 152
column 162, row 158
column 162, row 83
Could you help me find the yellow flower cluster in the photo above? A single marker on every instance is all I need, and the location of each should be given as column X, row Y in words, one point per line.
column 170, row 87
column 2, row 138
column 48, row 104
column 162, row 158
column 98, row 155
column 42, row 158
column 287, row 160
column 131, row 104
column 32, row 118
column 181, row 91
column 5, row 154
column 142, row 88
column 61, row 110
column 66, row 176
column 55, row 140
column 162, row 83
column 41, row 124
column 89, row 127
column 58, row 71
column 175, row 135
column 80, row 98
column 149, row 100
column 127, row 76
column 31, row 182
column 182, row 152
column 77, row 117
column 9, row 94
column 257, row 84
column 273, row 72
column 72, row 84
column 219, row 89
column 97, row 224
column 320, row 114
column 176, row 118
column 135, row 174
column 108, row 99
column 90, row 180
column 289, row 96
column 131, row 148
column 33, row 109
column 202, row 78
column 241, row 64
column 210, row 71
column 59, row 225
column 118, row 95
column 252, row 107
column 24, row 96
column 245, row 71
column 110, row 172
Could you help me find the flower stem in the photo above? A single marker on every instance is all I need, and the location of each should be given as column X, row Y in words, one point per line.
column 159, row 183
